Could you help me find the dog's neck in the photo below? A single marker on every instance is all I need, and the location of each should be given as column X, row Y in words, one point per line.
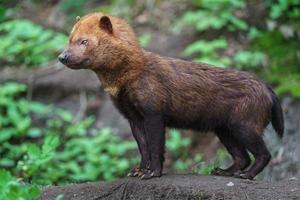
column 113, row 80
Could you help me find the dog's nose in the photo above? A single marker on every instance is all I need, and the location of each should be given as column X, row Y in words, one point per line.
column 63, row 57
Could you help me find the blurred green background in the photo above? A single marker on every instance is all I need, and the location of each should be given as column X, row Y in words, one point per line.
column 42, row 142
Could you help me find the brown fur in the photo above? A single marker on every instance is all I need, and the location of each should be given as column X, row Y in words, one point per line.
column 153, row 92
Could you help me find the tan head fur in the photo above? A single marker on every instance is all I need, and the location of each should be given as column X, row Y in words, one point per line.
column 104, row 44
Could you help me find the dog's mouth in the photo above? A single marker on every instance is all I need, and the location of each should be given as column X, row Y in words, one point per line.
column 79, row 65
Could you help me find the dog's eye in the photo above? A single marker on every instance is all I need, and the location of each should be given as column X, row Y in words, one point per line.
column 84, row 42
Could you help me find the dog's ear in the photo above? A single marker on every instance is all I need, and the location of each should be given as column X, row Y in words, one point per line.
column 105, row 24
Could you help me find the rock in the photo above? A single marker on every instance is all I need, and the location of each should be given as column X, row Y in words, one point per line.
column 174, row 187
column 53, row 75
column 285, row 151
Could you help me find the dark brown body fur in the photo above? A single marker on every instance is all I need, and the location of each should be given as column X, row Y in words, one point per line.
column 153, row 92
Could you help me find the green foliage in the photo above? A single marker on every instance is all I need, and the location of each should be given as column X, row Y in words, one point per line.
column 74, row 8
column 208, row 51
column 215, row 15
column 176, row 143
column 16, row 123
column 283, row 65
column 177, row 147
column 121, row 8
column 218, row 15
column 12, row 188
column 85, row 154
column 273, row 49
column 26, row 43
column 220, row 160
column 62, row 151
column 197, row 163
column 249, row 59
column 70, row 6
column 78, row 159
column 36, row 158
column 145, row 39
column 284, row 8
column 2, row 13
column 60, row 197
column 15, row 120
column 289, row 85
column 280, row 43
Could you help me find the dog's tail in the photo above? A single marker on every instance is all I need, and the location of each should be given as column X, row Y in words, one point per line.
column 277, row 114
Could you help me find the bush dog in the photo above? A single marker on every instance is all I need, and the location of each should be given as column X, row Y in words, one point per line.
column 155, row 92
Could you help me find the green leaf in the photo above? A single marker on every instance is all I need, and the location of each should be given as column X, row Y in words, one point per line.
column 60, row 197
column 34, row 132
column 50, row 143
column 5, row 178
column 65, row 115
column 145, row 40
column 38, row 108
column 7, row 133
column 248, row 59
column 33, row 151
column 28, row 43
column 205, row 47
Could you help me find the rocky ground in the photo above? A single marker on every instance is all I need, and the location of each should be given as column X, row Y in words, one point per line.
column 286, row 159
column 172, row 187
